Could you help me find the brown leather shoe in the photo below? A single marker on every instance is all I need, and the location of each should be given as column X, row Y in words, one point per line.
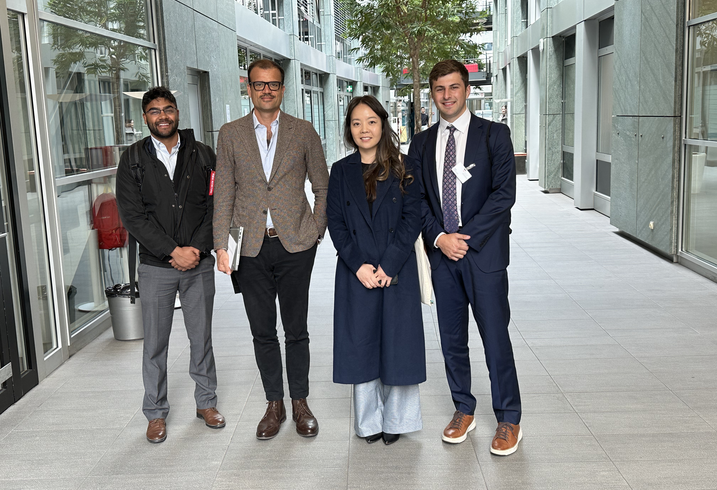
column 212, row 417
column 458, row 429
column 306, row 423
column 506, row 439
column 270, row 423
column 156, row 431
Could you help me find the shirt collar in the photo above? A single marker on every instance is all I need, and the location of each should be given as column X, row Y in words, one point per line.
column 159, row 146
column 461, row 124
column 274, row 123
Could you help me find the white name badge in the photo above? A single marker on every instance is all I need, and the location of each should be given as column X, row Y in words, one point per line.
column 462, row 173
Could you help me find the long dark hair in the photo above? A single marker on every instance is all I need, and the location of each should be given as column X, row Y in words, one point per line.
column 388, row 156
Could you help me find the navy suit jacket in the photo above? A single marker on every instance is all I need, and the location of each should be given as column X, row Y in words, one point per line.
column 486, row 197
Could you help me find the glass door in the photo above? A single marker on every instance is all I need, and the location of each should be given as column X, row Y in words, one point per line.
column 13, row 352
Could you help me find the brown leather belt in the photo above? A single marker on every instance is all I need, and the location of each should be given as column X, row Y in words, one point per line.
column 271, row 233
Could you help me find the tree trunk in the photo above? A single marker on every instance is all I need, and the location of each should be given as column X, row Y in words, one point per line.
column 416, row 90
column 117, row 105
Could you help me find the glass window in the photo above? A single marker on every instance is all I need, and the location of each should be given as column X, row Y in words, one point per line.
column 570, row 47
column 703, row 7
column 128, row 17
column 243, row 57
column 37, row 241
column 701, row 201
column 607, row 33
column 568, row 165
column 605, row 99
column 87, row 267
column 245, row 99
column 702, row 76
column 87, row 111
column 569, row 105
column 307, row 105
column 602, row 180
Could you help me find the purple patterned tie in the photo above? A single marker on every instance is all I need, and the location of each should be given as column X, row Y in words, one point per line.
column 450, row 208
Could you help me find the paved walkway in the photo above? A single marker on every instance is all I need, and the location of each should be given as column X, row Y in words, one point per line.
column 617, row 358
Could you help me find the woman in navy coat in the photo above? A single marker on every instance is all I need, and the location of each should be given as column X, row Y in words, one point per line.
column 374, row 219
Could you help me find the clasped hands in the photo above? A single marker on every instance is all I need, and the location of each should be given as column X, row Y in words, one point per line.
column 453, row 245
column 184, row 258
column 373, row 277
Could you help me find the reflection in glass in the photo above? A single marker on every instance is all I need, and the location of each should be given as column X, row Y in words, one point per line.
column 87, row 267
column 36, row 242
column 307, row 105
column 245, row 100
column 702, row 105
column 93, row 92
column 701, row 202
column 128, row 17
column 84, row 73
column 703, row 7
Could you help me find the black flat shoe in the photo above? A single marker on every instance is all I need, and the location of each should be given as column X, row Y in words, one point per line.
column 390, row 438
column 374, row 438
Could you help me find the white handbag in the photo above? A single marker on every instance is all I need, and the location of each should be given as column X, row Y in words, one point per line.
column 424, row 272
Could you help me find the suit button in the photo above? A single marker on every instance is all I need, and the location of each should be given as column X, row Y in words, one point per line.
column 180, row 206
column 354, row 232
column 390, row 230
column 348, row 203
column 269, row 188
column 264, row 211
column 394, row 199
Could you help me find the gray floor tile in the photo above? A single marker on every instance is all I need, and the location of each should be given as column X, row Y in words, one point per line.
column 660, row 447
column 670, row 475
column 658, row 422
column 637, row 401
column 554, row 476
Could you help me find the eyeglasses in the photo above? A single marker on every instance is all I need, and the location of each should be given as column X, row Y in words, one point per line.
column 154, row 112
column 259, row 86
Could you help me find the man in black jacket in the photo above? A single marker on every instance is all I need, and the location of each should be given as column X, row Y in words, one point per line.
column 165, row 187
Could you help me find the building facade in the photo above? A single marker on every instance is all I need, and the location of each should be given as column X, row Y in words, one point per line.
column 612, row 101
column 70, row 100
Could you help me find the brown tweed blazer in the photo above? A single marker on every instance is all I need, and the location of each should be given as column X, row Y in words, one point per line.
column 242, row 194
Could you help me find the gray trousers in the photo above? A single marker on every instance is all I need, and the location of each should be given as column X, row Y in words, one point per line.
column 384, row 408
column 158, row 289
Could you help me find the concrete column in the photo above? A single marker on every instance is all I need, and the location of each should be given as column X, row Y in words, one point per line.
column 533, row 115
column 551, row 113
column 293, row 103
column 586, row 95
column 331, row 117
column 517, row 106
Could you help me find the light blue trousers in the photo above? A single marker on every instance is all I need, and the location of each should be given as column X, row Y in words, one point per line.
column 384, row 408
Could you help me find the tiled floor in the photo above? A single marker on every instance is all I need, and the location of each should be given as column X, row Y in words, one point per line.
column 616, row 352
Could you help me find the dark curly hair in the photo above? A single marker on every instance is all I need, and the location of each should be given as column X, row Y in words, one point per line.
column 157, row 93
column 388, row 155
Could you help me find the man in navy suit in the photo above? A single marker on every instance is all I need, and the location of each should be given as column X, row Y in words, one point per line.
column 468, row 187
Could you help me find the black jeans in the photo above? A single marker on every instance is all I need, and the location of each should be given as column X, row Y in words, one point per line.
column 277, row 272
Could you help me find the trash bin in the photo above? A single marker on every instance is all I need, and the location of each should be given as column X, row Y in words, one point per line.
column 126, row 317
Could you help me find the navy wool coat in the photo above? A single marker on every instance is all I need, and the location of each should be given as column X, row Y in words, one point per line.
column 378, row 333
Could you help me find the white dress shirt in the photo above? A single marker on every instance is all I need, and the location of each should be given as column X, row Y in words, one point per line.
column 267, row 151
column 169, row 159
column 460, row 135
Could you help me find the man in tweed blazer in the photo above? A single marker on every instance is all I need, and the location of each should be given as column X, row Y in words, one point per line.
column 263, row 160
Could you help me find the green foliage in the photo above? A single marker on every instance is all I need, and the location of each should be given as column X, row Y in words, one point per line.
column 99, row 55
column 398, row 34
